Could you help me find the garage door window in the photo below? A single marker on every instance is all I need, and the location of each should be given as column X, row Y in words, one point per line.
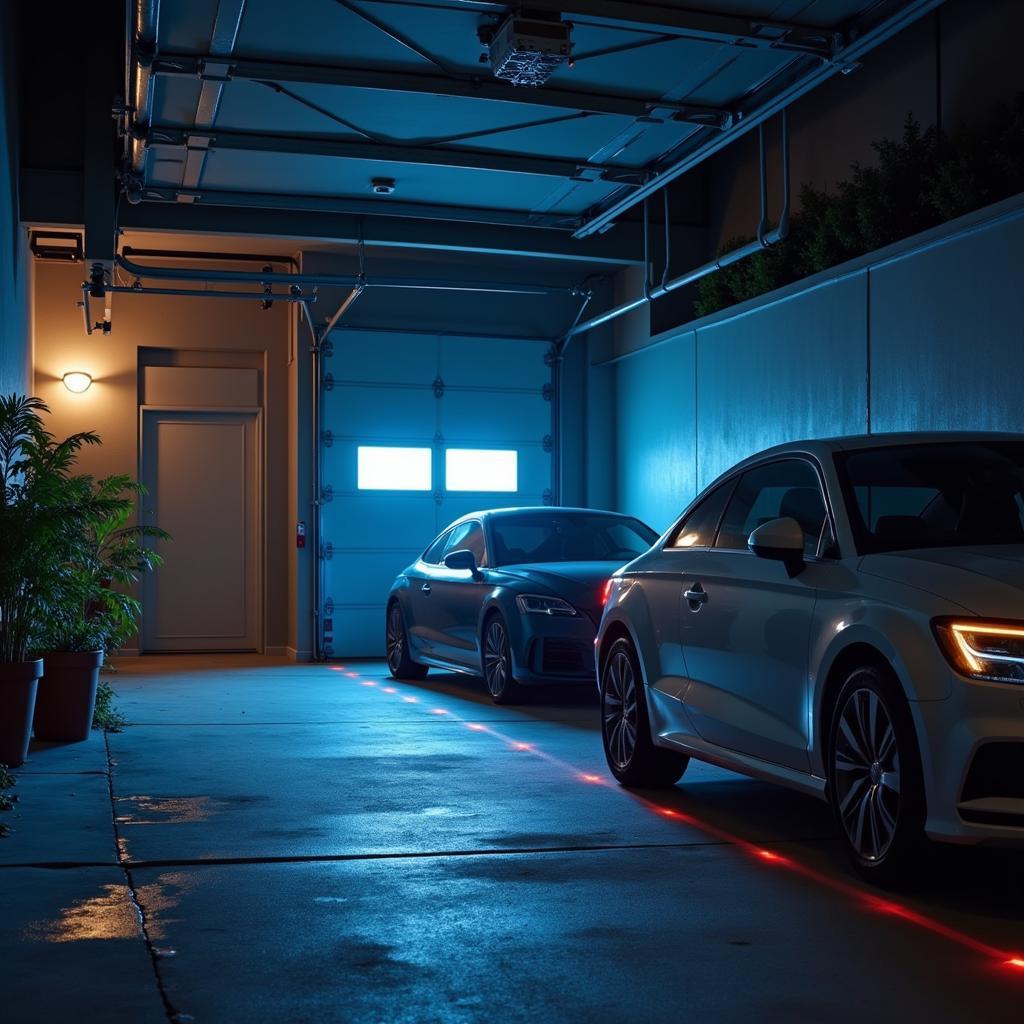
column 481, row 469
column 394, row 469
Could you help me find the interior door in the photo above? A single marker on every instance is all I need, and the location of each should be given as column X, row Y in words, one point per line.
column 202, row 472
column 745, row 624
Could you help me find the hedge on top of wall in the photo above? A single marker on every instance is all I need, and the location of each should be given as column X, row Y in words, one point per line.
column 919, row 181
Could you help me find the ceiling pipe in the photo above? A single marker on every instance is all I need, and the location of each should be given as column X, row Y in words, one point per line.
column 223, row 257
column 144, row 50
column 765, row 239
column 329, row 280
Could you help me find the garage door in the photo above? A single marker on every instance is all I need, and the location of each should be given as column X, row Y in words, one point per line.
column 417, row 431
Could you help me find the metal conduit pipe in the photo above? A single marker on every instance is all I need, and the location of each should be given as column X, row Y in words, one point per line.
column 329, row 280
column 144, row 47
column 768, row 238
column 198, row 254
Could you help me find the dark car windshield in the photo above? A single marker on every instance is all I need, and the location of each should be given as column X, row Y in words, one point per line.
column 948, row 494
column 568, row 537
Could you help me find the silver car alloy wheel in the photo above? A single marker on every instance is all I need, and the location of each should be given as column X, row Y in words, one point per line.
column 395, row 637
column 619, row 708
column 496, row 658
column 866, row 764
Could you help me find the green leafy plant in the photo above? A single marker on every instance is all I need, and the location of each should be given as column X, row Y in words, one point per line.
column 41, row 521
column 110, row 553
column 918, row 181
column 106, row 716
column 6, row 800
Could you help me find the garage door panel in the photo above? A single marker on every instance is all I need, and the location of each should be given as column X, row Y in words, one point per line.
column 480, row 418
column 376, row 519
column 357, row 632
column 370, row 358
column 482, row 362
column 395, row 414
column 366, row 575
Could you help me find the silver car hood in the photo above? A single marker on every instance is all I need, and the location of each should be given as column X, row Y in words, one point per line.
column 985, row 580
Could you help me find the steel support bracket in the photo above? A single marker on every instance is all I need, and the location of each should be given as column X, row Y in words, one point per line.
column 215, row 70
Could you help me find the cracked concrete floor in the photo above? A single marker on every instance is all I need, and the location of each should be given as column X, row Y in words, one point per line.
column 277, row 842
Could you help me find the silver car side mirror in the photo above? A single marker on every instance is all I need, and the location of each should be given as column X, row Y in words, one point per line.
column 781, row 540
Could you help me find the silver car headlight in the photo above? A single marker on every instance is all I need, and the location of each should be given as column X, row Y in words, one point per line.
column 539, row 605
column 983, row 650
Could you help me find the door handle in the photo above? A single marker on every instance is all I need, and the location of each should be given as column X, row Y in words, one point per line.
column 425, row 588
column 696, row 596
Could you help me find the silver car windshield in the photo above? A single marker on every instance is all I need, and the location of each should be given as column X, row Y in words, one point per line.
column 568, row 537
column 946, row 494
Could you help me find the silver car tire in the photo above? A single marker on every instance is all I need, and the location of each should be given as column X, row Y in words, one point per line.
column 874, row 776
column 632, row 756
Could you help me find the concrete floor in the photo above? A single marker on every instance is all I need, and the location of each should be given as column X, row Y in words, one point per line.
column 277, row 842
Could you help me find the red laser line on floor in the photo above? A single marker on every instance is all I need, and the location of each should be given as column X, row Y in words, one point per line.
column 856, row 895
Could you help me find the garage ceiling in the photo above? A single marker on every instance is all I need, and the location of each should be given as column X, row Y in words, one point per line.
column 256, row 103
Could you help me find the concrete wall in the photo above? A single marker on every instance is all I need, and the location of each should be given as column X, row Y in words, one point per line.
column 219, row 329
column 925, row 335
column 14, row 265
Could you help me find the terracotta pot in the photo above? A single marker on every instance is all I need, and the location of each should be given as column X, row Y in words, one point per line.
column 67, row 695
column 18, row 683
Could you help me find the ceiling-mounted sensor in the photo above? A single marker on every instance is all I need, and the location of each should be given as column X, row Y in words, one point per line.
column 528, row 51
column 383, row 186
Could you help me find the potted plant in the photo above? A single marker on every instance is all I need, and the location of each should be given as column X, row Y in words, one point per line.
column 92, row 617
column 40, row 521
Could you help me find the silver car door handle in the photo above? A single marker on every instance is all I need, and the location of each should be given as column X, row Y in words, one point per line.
column 425, row 588
column 696, row 595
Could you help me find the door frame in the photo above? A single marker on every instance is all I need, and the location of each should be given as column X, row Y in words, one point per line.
column 261, row 501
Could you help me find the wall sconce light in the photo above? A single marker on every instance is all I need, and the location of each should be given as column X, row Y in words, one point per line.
column 77, row 381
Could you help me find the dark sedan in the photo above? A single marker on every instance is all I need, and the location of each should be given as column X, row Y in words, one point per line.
column 512, row 594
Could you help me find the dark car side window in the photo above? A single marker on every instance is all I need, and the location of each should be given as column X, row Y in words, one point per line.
column 697, row 530
column 434, row 554
column 788, row 488
column 467, row 536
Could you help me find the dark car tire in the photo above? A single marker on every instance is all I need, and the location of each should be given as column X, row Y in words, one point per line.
column 626, row 727
column 400, row 664
column 496, row 662
column 875, row 783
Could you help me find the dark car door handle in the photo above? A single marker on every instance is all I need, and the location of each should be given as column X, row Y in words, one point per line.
column 425, row 588
column 696, row 595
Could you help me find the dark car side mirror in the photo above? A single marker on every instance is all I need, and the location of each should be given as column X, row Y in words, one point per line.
column 461, row 559
column 781, row 540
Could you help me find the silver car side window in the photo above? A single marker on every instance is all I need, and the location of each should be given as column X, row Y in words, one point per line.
column 787, row 488
column 698, row 529
column 468, row 536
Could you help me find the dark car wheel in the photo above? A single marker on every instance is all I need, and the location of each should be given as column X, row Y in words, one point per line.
column 400, row 664
column 497, row 662
column 874, row 775
column 625, row 726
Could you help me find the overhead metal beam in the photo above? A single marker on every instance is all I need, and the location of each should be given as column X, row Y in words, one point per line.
column 384, row 207
column 491, row 89
column 429, row 156
column 804, row 77
column 54, row 198
column 661, row 18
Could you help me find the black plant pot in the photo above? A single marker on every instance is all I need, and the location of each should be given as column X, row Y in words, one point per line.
column 18, row 684
column 67, row 695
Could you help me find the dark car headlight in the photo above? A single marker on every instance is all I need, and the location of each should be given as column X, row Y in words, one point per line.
column 539, row 605
column 983, row 650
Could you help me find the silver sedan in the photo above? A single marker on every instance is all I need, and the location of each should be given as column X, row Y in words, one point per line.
column 845, row 617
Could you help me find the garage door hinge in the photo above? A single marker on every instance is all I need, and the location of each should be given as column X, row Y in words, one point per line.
column 329, row 606
column 327, row 348
column 438, row 387
column 327, row 494
column 438, row 497
column 327, row 438
column 329, row 382
column 439, row 438
column 548, row 443
column 327, row 551
column 548, row 498
column 550, row 357
column 547, row 392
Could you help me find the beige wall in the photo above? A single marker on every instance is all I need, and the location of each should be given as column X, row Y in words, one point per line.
column 110, row 406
